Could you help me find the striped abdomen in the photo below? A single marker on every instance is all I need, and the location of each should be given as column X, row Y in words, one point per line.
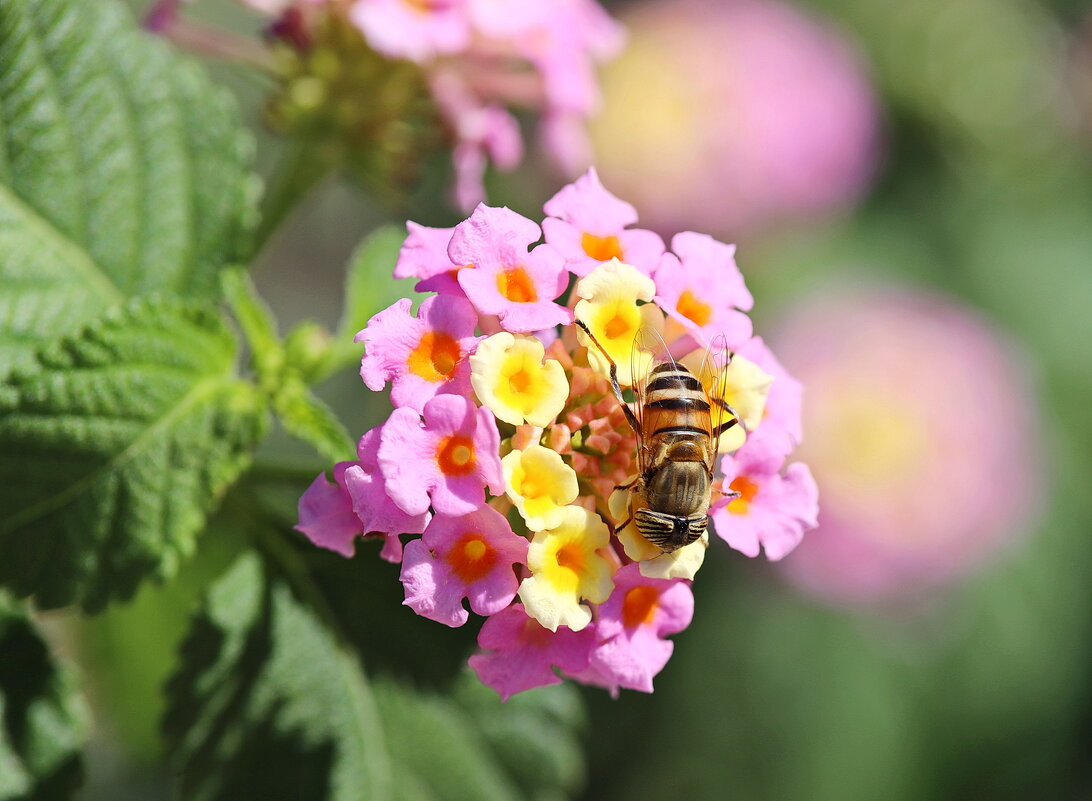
column 675, row 408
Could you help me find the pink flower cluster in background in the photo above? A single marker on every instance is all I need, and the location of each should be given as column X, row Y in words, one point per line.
column 923, row 433
column 734, row 115
column 483, row 58
column 507, row 444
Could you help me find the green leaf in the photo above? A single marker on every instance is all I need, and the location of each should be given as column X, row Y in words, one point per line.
column 535, row 735
column 434, row 742
column 369, row 288
column 308, row 418
column 369, row 282
column 267, row 704
column 471, row 747
column 257, row 323
column 113, row 447
column 254, row 697
column 42, row 721
column 123, row 171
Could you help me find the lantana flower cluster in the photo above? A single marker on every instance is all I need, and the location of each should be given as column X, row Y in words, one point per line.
column 405, row 77
column 495, row 480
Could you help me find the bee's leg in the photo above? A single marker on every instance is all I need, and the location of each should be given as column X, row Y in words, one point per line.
column 634, row 423
column 622, row 526
column 626, row 486
column 721, row 494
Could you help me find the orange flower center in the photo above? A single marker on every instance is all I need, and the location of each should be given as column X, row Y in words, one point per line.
column 601, row 248
column 616, row 327
column 471, row 558
column 456, row 455
column 571, row 557
column 435, row 357
column 639, row 606
column 516, row 285
column 693, row 309
column 519, row 382
column 747, row 490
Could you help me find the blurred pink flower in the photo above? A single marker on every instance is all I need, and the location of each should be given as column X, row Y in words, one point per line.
column 481, row 60
column 729, row 115
column 412, row 30
column 921, row 432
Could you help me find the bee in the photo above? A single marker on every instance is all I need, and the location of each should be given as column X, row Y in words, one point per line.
column 677, row 425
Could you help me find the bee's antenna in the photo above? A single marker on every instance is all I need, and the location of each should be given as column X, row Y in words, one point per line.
column 634, row 423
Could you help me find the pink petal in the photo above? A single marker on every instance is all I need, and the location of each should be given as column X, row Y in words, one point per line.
column 326, row 517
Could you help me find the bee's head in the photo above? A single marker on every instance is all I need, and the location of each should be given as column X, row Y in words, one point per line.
column 667, row 532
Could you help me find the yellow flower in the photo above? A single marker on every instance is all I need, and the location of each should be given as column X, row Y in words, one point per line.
column 609, row 308
column 683, row 563
column 652, row 562
column 540, row 484
column 746, row 387
column 510, row 379
column 567, row 567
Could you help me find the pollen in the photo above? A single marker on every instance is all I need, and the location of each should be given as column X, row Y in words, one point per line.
column 456, row 456
column 516, row 285
column 699, row 312
column 435, row 357
column 471, row 558
column 601, row 248
column 747, row 490
column 639, row 606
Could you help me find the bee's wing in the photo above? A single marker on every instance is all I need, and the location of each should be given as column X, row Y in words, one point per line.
column 714, row 378
column 647, row 352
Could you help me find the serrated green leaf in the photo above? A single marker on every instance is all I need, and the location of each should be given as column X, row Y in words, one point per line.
column 114, row 444
column 308, row 418
column 123, row 171
column 43, row 722
column 267, row 704
column 457, row 743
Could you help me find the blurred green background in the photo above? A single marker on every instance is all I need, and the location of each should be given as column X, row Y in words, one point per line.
column 984, row 192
